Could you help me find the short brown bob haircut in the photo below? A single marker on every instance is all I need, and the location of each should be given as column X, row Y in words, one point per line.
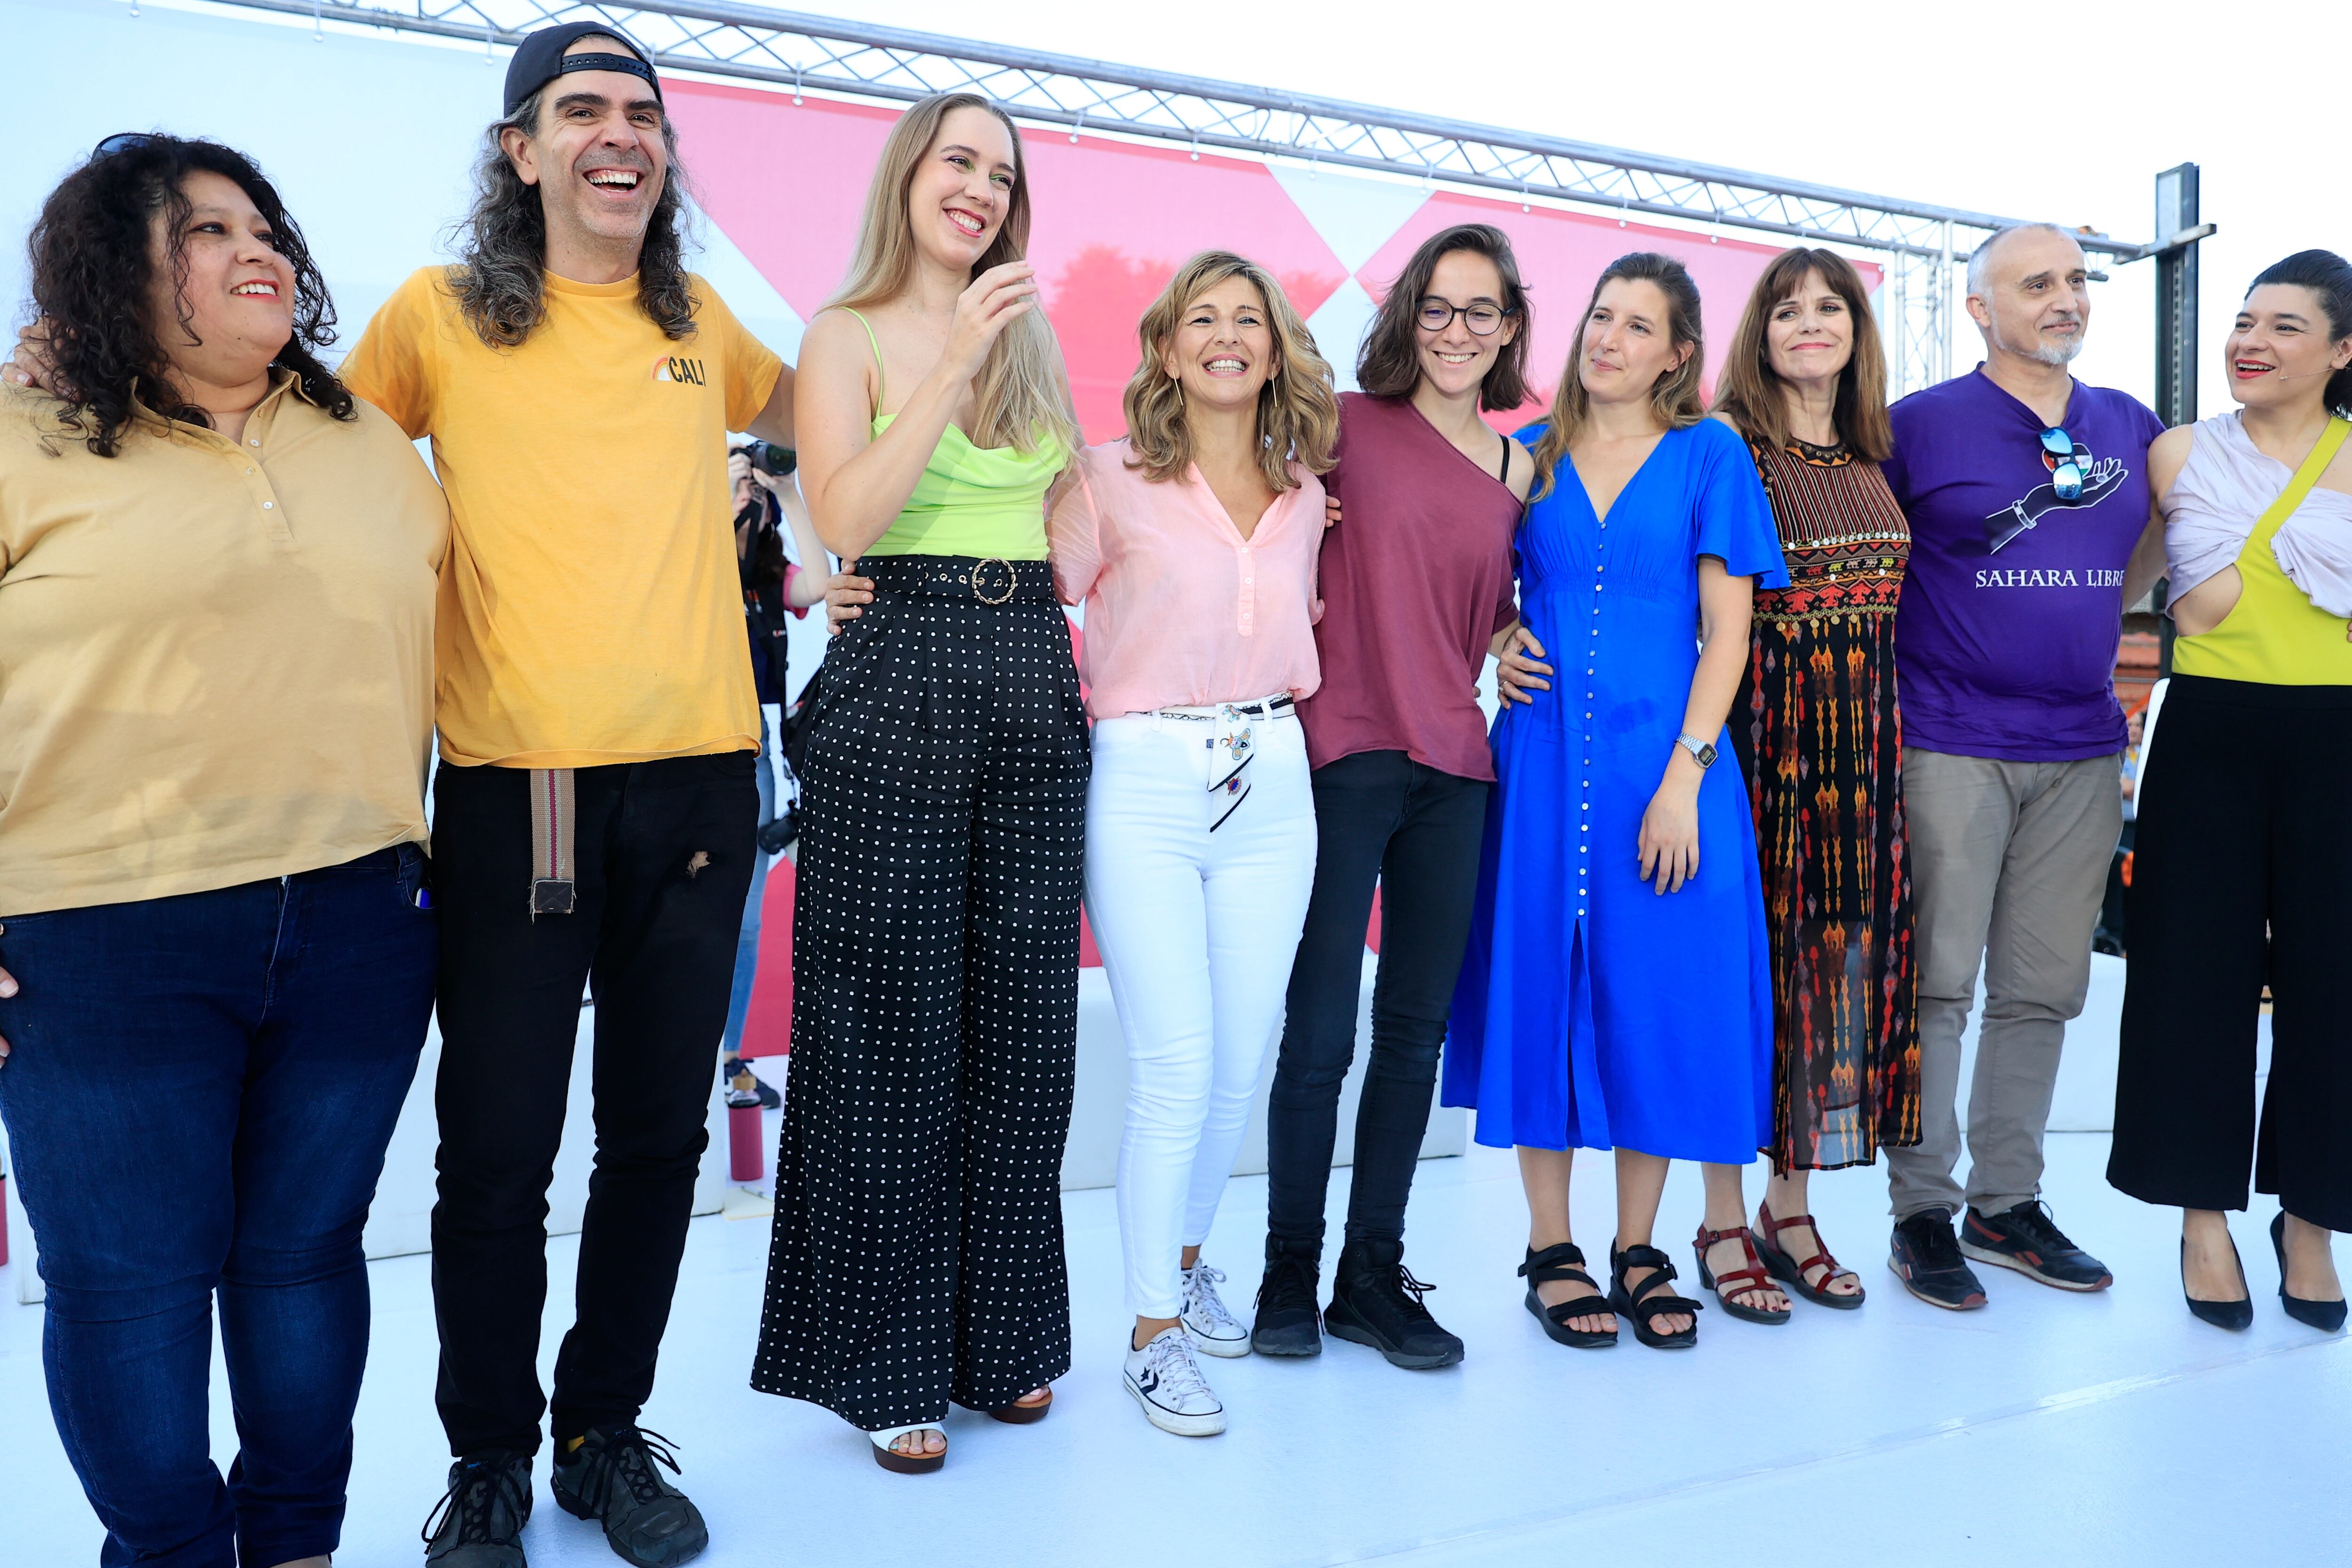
column 1673, row 396
column 1298, row 412
column 1389, row 362
column 1750, row 392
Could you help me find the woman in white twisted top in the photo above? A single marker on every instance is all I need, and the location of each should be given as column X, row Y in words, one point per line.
column 1191, row 543
column 2244, row 849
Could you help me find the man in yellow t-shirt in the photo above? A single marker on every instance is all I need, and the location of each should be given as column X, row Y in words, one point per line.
column 595, row 813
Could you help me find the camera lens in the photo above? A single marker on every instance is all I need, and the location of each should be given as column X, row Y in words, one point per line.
column 774, row 459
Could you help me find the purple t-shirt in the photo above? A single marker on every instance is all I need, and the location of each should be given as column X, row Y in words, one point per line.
column 2005, row 643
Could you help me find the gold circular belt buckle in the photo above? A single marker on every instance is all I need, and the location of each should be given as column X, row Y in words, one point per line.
column 1011, row 580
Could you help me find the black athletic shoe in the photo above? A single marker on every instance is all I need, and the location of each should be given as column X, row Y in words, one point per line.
column 1287, row 1323
column 611, row 1479
column 2027, row 1239
column 1375, row 1301
column 1927, row 1261
column 478, row 1521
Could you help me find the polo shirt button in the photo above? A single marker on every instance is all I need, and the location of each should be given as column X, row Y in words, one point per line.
column 248, row 471
column 267, row 504
column 255, row 441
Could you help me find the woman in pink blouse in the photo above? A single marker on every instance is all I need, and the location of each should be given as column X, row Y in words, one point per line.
column 1192, row 544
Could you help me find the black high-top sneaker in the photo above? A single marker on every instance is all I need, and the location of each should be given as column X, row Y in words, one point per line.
column 611, row 1479
column 478, row 1521
column 1375, row 1301
column 1288, row 1322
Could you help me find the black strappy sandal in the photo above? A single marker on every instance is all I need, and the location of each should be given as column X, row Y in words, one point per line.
column 1642, row 1303
column 1565, row 1263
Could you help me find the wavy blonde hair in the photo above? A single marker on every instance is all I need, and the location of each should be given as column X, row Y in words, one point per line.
column 1023, row 400
column 1298, row 411
column 1673, row 396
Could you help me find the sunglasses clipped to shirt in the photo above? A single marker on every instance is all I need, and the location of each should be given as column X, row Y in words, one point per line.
column 2066, row 474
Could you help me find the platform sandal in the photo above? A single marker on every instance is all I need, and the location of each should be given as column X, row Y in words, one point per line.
column 1755, row 1280
column 1641, row 1303
column 1792, row 1273
column 1565, row 1263
column 889, row 1458
column 1019, row 1415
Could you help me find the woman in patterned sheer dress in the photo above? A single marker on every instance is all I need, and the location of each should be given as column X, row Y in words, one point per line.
column 1820, row 741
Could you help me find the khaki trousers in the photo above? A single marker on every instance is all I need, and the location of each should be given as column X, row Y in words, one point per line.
column 2008, row 863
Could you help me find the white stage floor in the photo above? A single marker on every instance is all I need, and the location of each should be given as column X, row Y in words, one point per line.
column 2048, row 1428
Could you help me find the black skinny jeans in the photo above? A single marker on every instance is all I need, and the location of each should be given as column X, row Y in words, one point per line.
column 1382, row 818
column 664, row 862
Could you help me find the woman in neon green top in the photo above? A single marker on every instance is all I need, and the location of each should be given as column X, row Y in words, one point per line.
column 918, row 1252
column 2243, row 867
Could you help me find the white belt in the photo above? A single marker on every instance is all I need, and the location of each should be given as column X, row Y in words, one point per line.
column 1232, row 744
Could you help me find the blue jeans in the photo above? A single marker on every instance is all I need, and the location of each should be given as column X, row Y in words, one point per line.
column 747, row 945
column 199, row 1095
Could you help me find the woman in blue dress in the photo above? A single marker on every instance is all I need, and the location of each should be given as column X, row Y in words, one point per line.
column 1617, row 993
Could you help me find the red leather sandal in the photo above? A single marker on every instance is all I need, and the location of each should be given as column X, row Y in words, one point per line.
column 1792, row 1273
column 1753, row 1279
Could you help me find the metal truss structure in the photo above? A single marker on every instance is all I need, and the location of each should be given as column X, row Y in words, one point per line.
column 1920, row 244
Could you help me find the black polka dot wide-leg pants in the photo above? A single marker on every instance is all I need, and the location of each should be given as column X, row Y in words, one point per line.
column 918, row 1250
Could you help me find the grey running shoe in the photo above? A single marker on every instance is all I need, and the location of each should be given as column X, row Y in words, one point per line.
column 610, row 1477
column 478, row 1521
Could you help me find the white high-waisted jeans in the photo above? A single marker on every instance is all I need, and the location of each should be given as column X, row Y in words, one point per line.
column 1196, row 931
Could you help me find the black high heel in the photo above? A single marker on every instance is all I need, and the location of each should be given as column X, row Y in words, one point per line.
column 2327, row 1317
column 2237, row 1314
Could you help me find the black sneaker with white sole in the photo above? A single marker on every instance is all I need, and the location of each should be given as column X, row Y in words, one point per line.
column 2027, row 1239
column 1925, row 1257
column 1375, row 1301
column 478, row 1521
column 610, row 1477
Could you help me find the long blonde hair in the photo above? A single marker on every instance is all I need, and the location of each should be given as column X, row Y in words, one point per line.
column 1298, row 412
column 1022, row 400
column 1674, row 397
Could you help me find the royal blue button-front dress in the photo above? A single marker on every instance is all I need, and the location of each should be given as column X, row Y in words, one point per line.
column 1592, row 1011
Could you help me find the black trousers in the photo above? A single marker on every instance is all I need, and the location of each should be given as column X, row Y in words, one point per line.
column 1382, row 818
column 2242, row 874
column 918, row 1250
column 664, row 863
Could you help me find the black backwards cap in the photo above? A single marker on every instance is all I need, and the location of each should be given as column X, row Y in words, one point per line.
column 540, row 59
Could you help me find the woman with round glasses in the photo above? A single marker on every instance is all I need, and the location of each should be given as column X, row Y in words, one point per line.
column 217, row 575
column 1416, row 583
column 2243, row 859
column 1819, row 738
column 917, row 1256
column 1618, row 990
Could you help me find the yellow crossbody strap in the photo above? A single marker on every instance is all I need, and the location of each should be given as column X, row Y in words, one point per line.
column 2323, row 452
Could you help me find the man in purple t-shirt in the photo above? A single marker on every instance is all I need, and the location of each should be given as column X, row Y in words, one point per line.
column 2031, row 529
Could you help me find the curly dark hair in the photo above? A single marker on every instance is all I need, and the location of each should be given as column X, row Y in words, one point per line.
column 501, row 246
column 93, row 269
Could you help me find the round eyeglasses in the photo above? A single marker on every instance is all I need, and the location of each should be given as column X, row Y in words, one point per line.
column 2066, row 468
column 1482, row 317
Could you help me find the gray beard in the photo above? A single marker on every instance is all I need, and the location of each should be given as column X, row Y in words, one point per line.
column 2044, row 352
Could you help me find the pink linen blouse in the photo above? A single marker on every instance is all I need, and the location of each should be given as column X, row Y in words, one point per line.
column 1180, row 611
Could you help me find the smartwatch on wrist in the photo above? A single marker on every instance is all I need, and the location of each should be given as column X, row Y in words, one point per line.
column 1699, row 749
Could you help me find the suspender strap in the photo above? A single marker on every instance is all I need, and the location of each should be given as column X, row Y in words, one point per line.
column 551, row 841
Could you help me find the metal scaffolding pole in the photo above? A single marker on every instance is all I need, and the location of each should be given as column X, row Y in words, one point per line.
column 1920, row 243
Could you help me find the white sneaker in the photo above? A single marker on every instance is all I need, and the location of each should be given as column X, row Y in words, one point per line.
column 1167, row 1382
column 1214, row 1331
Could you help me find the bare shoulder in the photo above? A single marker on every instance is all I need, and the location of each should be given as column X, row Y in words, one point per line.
column 2338, row 473
column 2166, row 456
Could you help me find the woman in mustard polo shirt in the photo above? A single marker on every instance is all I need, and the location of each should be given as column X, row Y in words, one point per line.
column 2243, row 867
column 216, row 590
column 918, row 1252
